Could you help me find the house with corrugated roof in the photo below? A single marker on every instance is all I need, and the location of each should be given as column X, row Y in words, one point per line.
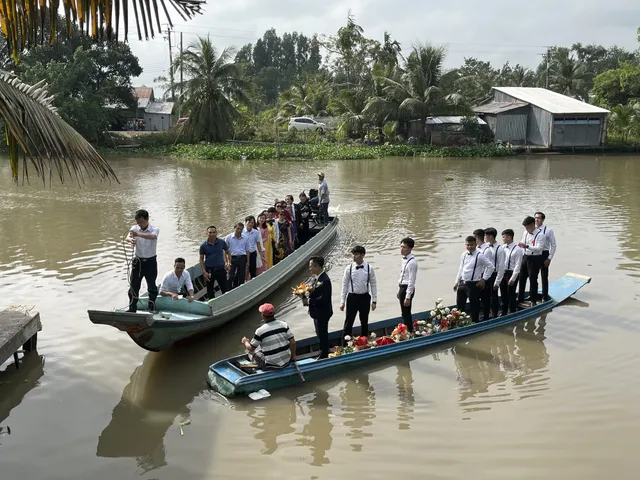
column 540, row 117
column 157, row 116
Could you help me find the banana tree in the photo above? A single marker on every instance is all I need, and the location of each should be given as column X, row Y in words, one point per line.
column 36, row 135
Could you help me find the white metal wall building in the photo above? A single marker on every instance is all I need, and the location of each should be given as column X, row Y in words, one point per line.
column 536, row 116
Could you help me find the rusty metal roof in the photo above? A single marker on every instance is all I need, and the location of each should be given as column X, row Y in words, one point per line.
column 499, row 107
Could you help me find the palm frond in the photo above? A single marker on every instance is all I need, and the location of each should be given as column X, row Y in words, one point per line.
column 23, row 22
column 46, row 142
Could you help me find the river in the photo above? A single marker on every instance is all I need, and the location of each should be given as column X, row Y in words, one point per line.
column 552, row 397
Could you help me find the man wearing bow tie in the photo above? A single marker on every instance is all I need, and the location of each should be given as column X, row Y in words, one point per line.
column 407, row 282
column 474, row 271
column 144, row 237
column 359, row 290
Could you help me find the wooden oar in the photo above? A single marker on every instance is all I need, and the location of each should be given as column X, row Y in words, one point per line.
column 295, row 364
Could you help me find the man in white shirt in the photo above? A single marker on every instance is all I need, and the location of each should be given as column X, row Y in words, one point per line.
column 480, row 242
column 255, row 243
column 359, row 292
column 490, row 300
column 407, row 281
column 510, row 262
column 144, row 237
column 475, row 269
column 548, row 251
column 239, row 250
column 533, row 240
column 174, row 281
column 323, row 198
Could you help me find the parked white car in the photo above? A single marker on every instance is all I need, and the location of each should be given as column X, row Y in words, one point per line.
column 304, row 123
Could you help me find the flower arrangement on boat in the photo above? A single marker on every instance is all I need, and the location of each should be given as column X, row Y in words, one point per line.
column 441, row 319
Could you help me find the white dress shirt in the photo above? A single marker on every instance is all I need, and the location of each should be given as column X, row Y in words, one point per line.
column 145, row 247
column 408, row 274
column 171, row 282
column 509, row 258
column 253, row 237
column 492, row 252
column 474, row 266
column 359, row 279
column 534, row 242
column 550, row 241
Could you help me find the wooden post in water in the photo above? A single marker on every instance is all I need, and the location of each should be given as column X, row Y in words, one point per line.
column 19, row 327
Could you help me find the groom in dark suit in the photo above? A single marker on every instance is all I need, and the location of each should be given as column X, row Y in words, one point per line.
column 320, row 308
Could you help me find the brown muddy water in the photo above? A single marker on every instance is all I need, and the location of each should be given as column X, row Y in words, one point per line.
column 551, row 397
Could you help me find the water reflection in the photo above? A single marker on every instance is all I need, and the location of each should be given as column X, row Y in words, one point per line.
column 159, row 394
column 272, row 419
column 358, row 405
column 316, row 434
column 16, row 383
column 505, row 365
column 406, row 400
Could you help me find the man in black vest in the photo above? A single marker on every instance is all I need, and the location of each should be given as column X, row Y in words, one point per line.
column 320, row 308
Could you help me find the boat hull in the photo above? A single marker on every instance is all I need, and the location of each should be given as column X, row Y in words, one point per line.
column 180, row 321
column 230, row 380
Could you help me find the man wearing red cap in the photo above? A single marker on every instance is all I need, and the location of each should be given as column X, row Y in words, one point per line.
column 273, row 344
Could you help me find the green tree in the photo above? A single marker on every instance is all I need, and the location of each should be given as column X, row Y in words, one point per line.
column 85, row 77
column 625, row 120
column 617, row 87
column 212, row 89
column 32, row 125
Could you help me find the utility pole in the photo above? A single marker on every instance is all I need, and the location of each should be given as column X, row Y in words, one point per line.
column 168, row 37
column 181, row 80
column 548, row 58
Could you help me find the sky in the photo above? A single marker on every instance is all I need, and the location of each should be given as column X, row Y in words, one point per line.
column 493, row 30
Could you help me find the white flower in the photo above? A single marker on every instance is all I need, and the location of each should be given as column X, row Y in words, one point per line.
column 347, row 338
column 373, row 335
column 432, row 313
column 429, row 325
column 306, row 294
column 440, row 306
column 422, row 322
column 439, row 317
column 447, row 311
column 449, row 317
column 439, row 300
column 318, row 284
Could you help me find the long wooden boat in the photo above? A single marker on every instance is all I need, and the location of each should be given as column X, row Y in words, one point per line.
column 179, row 320
column 229, row 378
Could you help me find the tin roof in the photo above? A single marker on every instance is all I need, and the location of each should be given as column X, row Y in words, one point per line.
column 442, row 119
column 144, row 95
column 164, row 108
column 552, row 102
column 499, row 107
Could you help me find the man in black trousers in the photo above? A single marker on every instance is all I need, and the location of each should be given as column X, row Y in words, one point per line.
column 320, row 308
column 144, row 237
column 407, row 281
column 532, row 243
column 359, row 292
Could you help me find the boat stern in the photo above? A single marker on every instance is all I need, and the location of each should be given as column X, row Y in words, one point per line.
column 222, row 378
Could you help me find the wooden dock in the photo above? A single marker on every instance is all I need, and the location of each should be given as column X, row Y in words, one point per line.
column 19, row 327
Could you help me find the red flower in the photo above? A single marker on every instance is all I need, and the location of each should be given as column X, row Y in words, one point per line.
column 384, row 341
column 401, row 327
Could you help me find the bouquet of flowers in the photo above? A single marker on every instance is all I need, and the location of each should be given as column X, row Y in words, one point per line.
column 422, row 328
column 382, row 341
column 361, row 343
column 401, row 332
column 303, row 290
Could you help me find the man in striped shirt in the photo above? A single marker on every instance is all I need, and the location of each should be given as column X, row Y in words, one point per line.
column 273, row 345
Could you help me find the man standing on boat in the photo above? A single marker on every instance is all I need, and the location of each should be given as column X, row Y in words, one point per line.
column 320, row 308
column 490, row 300
column 474, row 271
column 144, row 236
column 240, row 255
column 175, row 280
column 480, row 242
column 323, row 198
column 273, row 344
column 215, row 261
column 407, row 281
column 253, row 237
column 548, row 251
column 359, row 292
column 509, row 264
column 533, row 241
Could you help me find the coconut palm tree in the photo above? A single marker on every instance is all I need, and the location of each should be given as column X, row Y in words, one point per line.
column 423, row 88
column 625, row 119
column 34, row 130
column 213, row 87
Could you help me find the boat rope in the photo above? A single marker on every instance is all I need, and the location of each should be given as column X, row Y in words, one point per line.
column 129, row 261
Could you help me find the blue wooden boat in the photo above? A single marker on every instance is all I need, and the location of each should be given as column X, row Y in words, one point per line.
column 178, row 320
column 229, row 378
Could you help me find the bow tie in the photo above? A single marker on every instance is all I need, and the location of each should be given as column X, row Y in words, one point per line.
column 469, row 253
column 359, row 266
